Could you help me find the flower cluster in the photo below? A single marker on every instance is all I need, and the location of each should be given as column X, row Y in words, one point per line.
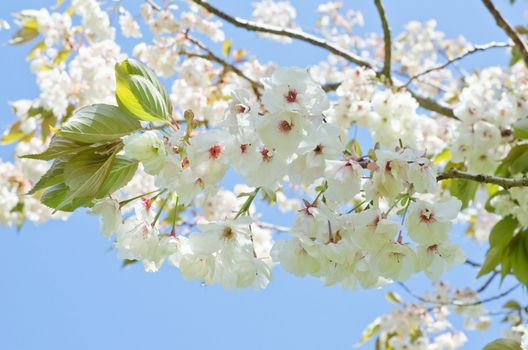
column 492, row 101
column 291, row 140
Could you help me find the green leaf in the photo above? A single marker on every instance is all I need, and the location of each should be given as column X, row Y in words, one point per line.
column 59, row 147
column 121, row 173
column 134, row 67
column 493, row 258
column 54, row 176
column 128, row 262
column 505, row 167
column 512, row 304
column 139, row 92
column 502, row 232
column 519, row 257
column 99, row 123
column 505, row 266
column 24, row 35
column 138, row 96
column 393, row 297
column 515, row 56
column 503, row 344
column 13, row 134
column 520, row 128
column 55, row 195
column 84, row 175
column 226, row 47
column 40, row 46
column 464, row 190
column 443, row 156
column 62, row 56
column 370, row 331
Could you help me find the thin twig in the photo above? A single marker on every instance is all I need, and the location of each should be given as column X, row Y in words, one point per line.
column 272, row 227
column 432, row 105
column 472, row 263
column 455, row 303
column 508, row 29
column 488, row 282
column 291, row 33
column 386, row 41
column 154, row 5
column 503, row 182
column 468, row 52
column 322, row 43
column 211, row 56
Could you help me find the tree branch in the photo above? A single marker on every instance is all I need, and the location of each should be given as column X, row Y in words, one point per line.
column 468, row 52
column 386, row 41
column 432, row 105
column 456, row 302
column 501, row 181
column 508, row 29
column 426, row 103
column 211, row 56
column 294, row 34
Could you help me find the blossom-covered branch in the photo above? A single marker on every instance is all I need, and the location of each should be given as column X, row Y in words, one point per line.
column 386, row 40
column 490, row 179
column 210, row 55
column 508, row 29
column 468, row 52
column 294, row 34
column 424, row 102
column 457, row 302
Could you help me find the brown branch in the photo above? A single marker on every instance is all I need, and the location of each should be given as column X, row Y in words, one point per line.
column 490, row 179
column 211, row 56
column 294, row 34
column 319, row 42
column 455, row 302
column 457, row 58
column 508, row 29
column 154, row 6
column 432, row 105
column 386, row 41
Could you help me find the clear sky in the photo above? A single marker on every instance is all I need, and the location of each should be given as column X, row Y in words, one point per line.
column 61, row 286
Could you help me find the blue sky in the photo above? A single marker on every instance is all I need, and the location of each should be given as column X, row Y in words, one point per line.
column 63, row 288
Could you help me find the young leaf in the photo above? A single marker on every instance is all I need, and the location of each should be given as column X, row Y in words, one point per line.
column 54, row 176
column 59, row 147
column 139, row 97
column 519, row 257
column 121, row 173
column 84, row 176
column 134, row 67
column 503, row 344
column 504, row 169
column 370, row 331
column 502, row 232
column 493, row 258
column 464, row 190
column 99, row 123
column 55, row 195
column 520, row 128
column 140, row 92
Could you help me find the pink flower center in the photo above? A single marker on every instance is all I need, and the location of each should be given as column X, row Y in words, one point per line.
column 427, row 216
column 388, row 166
column 147, row 203
column 243, row 148
column 432, row 249
column 291, row 96
column 240, row 108
column 215, row 151
column 265, row 154
column 285, row 127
